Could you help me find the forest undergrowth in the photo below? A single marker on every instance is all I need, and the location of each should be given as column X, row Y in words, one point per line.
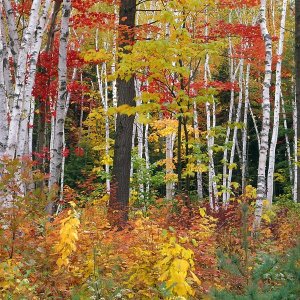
column 176, row 249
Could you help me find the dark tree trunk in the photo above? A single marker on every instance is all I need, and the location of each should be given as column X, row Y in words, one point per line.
column 179, row 162
column 119, row 196
column 297, row 68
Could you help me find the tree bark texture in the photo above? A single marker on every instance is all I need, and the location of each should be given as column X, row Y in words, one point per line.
column 264, row 135
column 119, row 196
column 297, row 73
column 56, row 151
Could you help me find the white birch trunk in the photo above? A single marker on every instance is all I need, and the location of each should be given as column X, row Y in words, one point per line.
column 255, row 126
column 287, row 141
column 210, row 142
column 235, row 130
column 233, row 74
column 139, row 129
column 270, row 181
column 295, row 184
column 264, row 140
column 30, row 128
column 170, row 140
column 3, row 99
column 114, row 60
column 133, row 145
column 197, row 137
column 245, row 129
column 106, row 126
column 21, row 69
column 27, row 100
column 147, row 156
column 57, row 155
column 6, row 55
column 12, row 30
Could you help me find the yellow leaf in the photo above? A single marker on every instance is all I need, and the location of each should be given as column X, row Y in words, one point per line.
column 195, row 278
column 202, row 211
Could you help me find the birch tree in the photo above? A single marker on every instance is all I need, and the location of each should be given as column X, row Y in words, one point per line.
column 245, row 129
column 235, row 130
column 56, row 152
column 3, row 97
column 276, row 120
column 21, row 68
column 28, row 101
column 264, row 135
column 296, row 117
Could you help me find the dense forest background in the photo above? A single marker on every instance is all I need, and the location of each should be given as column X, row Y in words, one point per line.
column 148, row 149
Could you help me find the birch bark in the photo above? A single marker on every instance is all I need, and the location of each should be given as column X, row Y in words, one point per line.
column 264, row 140
column 212, row 186
column 21, row 68
column 23, row 135
column 170, row 140
column 245, row 129
column 287, row 141
column 197, row 136
column 3, row 98
column 276, row 120
column 297, row 103
column 57, row 155
column 12, row 30
column 235, row 130
column 296, row 132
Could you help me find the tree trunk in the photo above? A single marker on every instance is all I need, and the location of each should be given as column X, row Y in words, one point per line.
column 56, row 153
column 3, row 99
column 296, row 130
column 235, row 130
column 197, row 138
column 270, row 182
column 297, row 73
column 264, row 140
column 20, row 77
column 287, row 142
column 245, row 130
column 27, row 101
column 119, row 196
column 170, row 139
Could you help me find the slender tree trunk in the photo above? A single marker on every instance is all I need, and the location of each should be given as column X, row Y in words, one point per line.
column 210, row 143
column 297, row 73
column 119, row 196
column 197, row 138
column 179, row 159
column 287, row 141
column 170, row 139
column 245, row 130
column 233, row 74
column 114, row 61
column 235, row 130
column 296, row 132
column 140, row 131
column 61, row 103
column 107, row 146
column 255, row 126
column 3, row 98
column 264, row 140
column 276, row 120
column 147, row 156
column 103, row 90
